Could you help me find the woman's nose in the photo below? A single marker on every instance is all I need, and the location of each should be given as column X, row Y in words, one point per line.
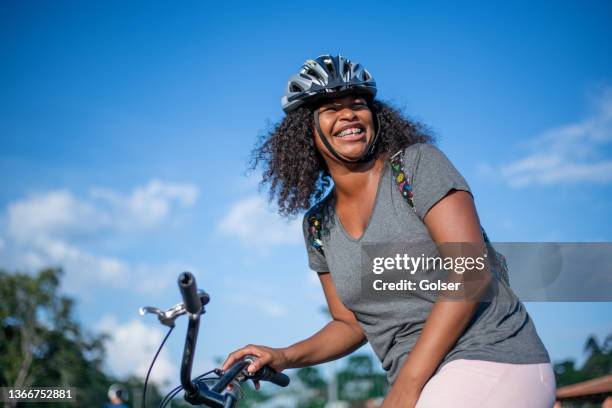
column 347, row 112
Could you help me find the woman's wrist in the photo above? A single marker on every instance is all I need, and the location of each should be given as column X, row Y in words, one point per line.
column 410, row 382
column 401, row 396
column 289, row 356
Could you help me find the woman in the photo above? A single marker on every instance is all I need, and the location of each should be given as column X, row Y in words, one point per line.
column 436, row 353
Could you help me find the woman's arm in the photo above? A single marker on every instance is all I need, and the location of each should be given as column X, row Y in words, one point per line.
column 339, row 337
column 452, row 219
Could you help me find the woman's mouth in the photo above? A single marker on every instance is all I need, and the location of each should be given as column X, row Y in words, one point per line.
column 352, row 133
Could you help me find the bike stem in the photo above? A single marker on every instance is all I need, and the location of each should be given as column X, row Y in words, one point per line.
column 190, row 341
column 199, row 393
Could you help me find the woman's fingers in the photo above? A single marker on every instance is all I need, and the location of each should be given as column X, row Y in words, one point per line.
column 262, row 356
column 262, row 359
column 237, row 355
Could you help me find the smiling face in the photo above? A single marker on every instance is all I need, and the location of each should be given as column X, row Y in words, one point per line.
column 348, row 126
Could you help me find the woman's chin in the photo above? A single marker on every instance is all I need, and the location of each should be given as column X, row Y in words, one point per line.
column 351, row 154
column 350, row 150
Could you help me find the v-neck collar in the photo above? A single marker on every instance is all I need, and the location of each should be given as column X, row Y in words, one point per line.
column 376, row 199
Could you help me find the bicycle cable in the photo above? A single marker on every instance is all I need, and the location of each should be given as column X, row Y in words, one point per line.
column 171, row 394
column 144, row 391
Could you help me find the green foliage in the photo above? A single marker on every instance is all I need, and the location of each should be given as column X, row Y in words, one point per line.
column 358, row 381
column 42, row 345
column 251, row 396
column 315, row 387
column 598, row 363
column 311, row 377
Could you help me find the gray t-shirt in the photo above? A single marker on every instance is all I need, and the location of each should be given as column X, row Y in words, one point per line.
column 501, row 330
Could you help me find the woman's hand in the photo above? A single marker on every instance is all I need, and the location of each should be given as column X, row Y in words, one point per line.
column 275, row 358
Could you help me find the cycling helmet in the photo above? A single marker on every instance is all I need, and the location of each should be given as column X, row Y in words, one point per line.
column 118, row 391
column 327, row 76
column 331, row 77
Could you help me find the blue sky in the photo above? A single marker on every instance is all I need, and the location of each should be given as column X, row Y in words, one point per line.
column 125, row 129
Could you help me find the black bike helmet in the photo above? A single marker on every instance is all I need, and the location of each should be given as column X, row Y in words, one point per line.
column 327, row 76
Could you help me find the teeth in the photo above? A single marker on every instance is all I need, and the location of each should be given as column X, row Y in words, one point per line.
column 350, row 131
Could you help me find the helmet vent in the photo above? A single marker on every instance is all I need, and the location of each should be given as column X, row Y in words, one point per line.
column 346, row 71
column 330, row 67
column 313, row 73
column 295, row 88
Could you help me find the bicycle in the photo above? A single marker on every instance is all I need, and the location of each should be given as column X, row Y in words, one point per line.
column 203, row 390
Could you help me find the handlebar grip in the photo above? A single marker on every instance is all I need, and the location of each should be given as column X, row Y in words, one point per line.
column 189, row 291
column 268, row 374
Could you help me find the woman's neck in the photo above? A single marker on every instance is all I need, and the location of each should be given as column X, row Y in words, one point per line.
column 351, row 180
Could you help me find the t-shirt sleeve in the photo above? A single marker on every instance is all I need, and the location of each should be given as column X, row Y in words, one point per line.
column 434, row 177
column 316, row 260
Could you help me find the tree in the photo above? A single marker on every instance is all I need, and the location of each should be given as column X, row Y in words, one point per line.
column 358, row 381
column 597, row 364
column 42, row 345
column 314, row 382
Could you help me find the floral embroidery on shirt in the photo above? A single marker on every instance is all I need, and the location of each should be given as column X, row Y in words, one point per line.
column 401, row 179
column 314, row 231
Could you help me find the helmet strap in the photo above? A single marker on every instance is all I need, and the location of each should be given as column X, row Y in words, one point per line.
column 365, row 157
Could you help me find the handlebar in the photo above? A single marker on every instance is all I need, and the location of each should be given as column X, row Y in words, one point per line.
column 198, row 392
column 189, row 291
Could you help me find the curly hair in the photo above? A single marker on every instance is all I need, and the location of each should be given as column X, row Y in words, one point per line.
column 295, row 170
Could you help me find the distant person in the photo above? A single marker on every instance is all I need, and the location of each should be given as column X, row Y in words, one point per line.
column 376, row 177
column 118, row 397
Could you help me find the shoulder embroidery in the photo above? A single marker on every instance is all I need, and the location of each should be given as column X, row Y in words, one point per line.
column 314, row 231
column 401, row 178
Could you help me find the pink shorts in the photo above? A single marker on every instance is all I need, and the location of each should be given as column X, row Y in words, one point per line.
column 477, row 383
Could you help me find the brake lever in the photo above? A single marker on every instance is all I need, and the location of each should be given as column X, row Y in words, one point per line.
column 265, row 373
column 244, row 373
column 168, row 317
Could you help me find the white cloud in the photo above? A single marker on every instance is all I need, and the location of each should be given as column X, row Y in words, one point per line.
column 146, row 206
column 46, row 229
column 131, row 348
column 85, row 270
column 61, row 214
column 83, row 267
column 576, row 152
column 251, row 221
column 56, row 213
